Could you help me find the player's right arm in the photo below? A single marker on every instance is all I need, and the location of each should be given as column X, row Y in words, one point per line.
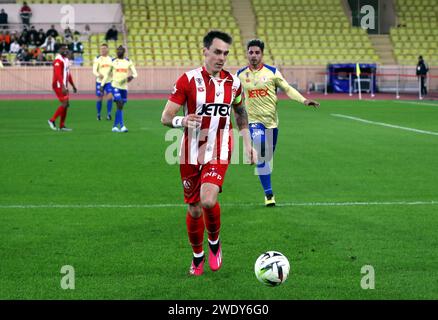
column 96, row 69
column 169, row 117
column 176, row 100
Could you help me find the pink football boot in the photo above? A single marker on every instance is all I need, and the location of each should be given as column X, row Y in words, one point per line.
column 215, row 260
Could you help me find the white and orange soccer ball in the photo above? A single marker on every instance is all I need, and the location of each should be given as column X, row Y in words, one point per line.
column 272, row 268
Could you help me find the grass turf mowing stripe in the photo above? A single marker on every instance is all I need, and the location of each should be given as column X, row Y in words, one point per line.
column 172, row 205
column 385, row 124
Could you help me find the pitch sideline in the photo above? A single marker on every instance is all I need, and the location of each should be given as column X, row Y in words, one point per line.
column 224, row 204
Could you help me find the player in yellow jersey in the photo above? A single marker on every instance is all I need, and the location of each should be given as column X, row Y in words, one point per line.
column 119, row 71
column 101, row 66
column 260, row 82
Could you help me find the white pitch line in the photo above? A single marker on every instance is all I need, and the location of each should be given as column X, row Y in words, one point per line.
column 178, row 205
column 417, row 103
column 385, row 124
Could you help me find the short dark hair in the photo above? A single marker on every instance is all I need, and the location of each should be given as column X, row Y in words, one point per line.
column 256, row 43
column 211, row 35
column 104, row 45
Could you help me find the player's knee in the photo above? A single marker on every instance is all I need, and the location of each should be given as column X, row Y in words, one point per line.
column 195, row 210
column 208, row 201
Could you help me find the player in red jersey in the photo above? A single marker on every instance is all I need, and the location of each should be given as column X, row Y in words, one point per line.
column 61, row 78
column 207, row 94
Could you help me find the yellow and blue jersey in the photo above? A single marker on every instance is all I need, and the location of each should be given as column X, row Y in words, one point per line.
column 101, row 66
column 119, row 71
column 260, row 88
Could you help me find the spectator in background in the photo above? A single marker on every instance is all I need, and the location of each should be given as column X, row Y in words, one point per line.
column 57, row 44
column 76, row 46
column 422, row 70
column 24, row 37
column 25, row 14
column 35, row 53
column 41, row 60
column 33, row 32
column 4, row 37
column 4, row 47
column 41, row 37
column 111, row 34
column 68, row 35
column 86, row 34
column 23, row 54
column 32, row 37
column 7, row 37
column 3, row 19
column 15, row 46
column 49, row 45
column 52, row 32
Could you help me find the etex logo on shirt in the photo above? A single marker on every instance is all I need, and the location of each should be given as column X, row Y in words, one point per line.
column 256, row 93
column 215, row 109
column 122, row 70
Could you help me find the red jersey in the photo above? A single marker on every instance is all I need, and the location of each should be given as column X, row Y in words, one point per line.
column 202, row 94
column 61, row 72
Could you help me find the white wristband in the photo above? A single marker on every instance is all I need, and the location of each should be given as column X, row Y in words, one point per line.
column 177, row 122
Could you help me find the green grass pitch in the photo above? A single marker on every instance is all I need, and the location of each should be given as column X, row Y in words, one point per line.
column 142, row 252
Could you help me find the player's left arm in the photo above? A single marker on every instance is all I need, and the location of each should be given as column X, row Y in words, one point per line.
column 241, row 117
column 70, row 80
column 292, row 92
column 133, row 72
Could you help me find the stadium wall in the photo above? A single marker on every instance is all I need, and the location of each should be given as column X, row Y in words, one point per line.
column 45, row 15
column 161, row 79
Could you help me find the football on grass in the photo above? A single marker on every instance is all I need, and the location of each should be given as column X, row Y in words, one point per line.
column 272, row 268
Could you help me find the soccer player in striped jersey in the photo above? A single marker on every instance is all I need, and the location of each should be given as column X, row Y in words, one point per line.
column 260, row 83
column 101, row 66
column 119, row 70
column 61, row 78
column 207, row 95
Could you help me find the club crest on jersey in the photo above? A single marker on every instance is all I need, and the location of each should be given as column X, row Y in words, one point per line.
column 199, row 81
column 215, row 110
column 187, row 184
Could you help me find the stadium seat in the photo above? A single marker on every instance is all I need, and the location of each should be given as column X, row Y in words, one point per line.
column 417, row 32
column 172, row 29
column 315, row 28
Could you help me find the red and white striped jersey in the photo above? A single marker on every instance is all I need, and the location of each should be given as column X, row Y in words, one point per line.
column 212, row 98
column 61, row 72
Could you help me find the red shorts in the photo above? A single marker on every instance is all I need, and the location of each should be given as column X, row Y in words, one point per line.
column 61, row 97
column 193, row 176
